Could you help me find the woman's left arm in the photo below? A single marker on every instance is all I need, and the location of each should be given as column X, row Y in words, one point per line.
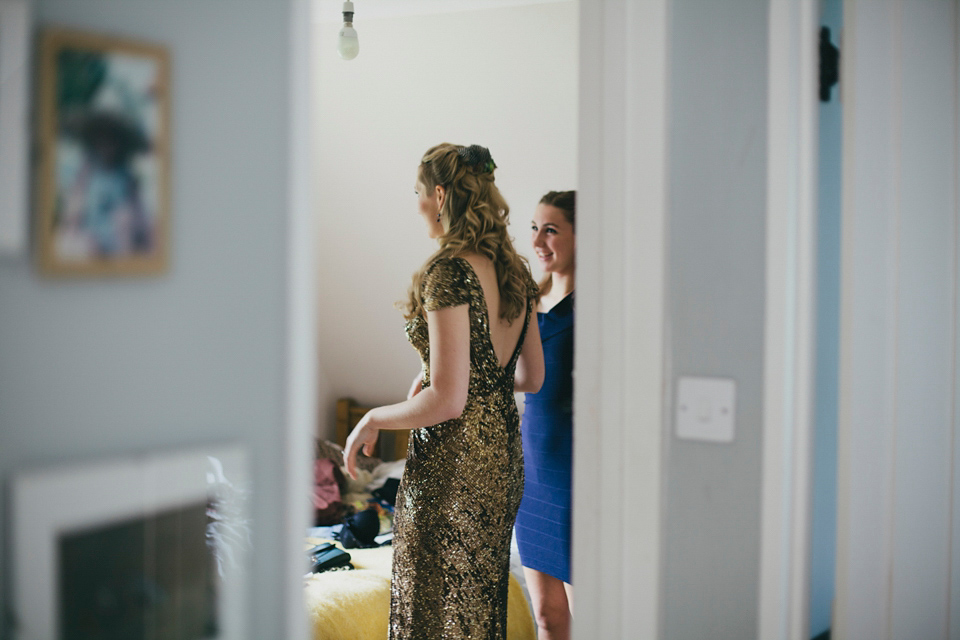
column 444, row 399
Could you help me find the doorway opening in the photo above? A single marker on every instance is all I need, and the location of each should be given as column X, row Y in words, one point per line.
column 500, row 74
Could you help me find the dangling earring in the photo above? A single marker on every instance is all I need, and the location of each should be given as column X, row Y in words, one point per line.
column 438, row 217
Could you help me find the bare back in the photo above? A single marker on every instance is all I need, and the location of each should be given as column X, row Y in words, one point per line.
column 503, row 335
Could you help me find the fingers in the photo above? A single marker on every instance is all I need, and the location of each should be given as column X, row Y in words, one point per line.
column 354, row 446
column 362, row 438
column 350, row 460
column 350, row 455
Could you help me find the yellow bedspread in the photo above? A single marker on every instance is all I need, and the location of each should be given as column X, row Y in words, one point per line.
column 355, row 605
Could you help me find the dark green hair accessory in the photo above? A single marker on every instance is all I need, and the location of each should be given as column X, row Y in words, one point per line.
column 477, row 157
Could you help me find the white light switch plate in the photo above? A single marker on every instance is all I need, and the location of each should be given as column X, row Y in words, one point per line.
column 706, row 408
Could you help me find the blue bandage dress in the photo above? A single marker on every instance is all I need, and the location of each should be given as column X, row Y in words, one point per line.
column 543, row 522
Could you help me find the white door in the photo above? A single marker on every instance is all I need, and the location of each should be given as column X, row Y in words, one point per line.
column 897, row 502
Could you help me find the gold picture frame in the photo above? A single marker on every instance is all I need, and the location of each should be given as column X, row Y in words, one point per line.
column 103, row 137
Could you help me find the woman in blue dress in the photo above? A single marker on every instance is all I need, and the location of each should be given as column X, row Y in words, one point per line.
column 543, row 522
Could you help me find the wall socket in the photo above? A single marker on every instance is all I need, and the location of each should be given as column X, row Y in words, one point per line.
column 706, row 408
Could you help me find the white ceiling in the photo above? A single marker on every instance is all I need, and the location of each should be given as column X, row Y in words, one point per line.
column 329, row 10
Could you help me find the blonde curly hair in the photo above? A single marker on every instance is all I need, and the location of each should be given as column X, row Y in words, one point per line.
column 475, row 217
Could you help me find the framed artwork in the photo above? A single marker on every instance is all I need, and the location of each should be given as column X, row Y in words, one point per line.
column 14, row 125
column 139, row 548
column 103, row 177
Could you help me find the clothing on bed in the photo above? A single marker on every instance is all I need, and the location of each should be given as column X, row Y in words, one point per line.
column 355, row 605
column 543, row 523
column 461, row 487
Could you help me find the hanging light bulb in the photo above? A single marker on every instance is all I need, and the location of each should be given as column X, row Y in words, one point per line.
column 348, row 45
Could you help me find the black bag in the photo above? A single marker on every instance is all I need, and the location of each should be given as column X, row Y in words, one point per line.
column 328, row 556
column 359, row 530
column 388, row 492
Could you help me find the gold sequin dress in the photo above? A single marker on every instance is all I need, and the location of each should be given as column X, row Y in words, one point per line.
column 461, row 487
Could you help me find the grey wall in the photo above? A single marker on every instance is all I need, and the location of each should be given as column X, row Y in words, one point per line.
column 711, row 541
column 96, row 367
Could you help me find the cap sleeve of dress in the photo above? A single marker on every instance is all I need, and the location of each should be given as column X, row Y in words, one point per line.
column 445, row 285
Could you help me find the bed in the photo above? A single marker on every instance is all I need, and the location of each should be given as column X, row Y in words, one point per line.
column 355, row 605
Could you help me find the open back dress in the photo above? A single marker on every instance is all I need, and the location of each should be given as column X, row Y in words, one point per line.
column 462, row 484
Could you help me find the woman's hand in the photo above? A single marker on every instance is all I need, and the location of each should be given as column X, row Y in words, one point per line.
column 416, row 387
column 364, row 436
column 444, row 399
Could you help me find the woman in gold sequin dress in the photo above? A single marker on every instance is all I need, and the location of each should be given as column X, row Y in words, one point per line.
column 469, row 317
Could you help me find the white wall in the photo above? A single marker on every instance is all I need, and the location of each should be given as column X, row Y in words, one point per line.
column 103, row 367
column 503, row 78
column 898, row 489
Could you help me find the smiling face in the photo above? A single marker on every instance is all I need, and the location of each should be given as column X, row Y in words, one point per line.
column 553, row 238
column 429, row 201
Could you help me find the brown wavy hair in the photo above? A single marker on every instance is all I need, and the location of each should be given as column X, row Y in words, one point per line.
column 475, row 217
column 566, row 201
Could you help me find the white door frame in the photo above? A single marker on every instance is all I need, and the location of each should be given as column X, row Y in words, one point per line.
column 301, row 335
column 621, row 329
column 789, row 341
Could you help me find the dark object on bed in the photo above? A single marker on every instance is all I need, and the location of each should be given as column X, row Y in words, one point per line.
column 326, row 557
column 388, row 492
column 360, row 529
